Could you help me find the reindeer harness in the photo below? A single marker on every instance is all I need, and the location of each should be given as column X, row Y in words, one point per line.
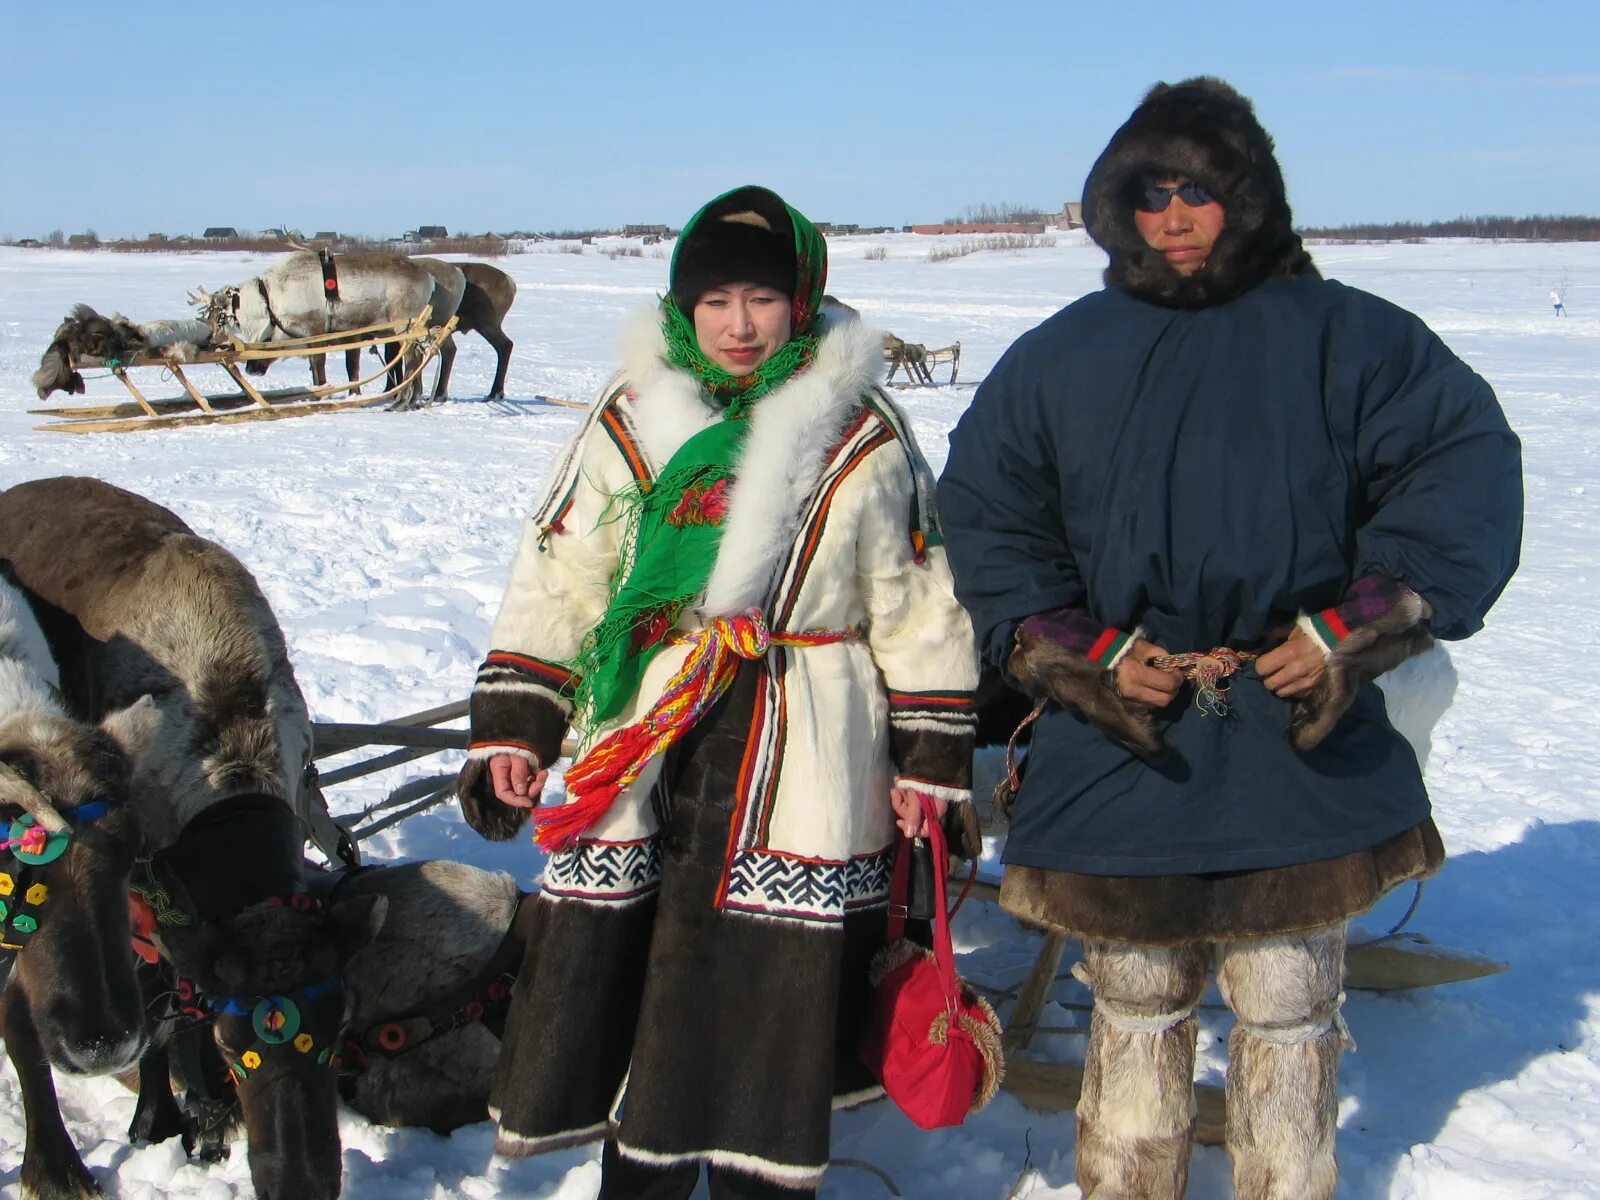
column 30, row 846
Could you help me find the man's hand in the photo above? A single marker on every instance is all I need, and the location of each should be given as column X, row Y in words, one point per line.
column 1291, row 669
column 908, row 812
column 1143, row 684
column 517, row 781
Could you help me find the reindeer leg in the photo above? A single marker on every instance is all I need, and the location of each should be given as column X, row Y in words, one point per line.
column 352, row 368
column 447, row 359
column 51, row 1166
column 502, row 347
column 157, row 1116
column 391, row 355
column 319, row 369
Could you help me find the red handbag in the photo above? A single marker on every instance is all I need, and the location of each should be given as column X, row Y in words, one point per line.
column 931, row 1040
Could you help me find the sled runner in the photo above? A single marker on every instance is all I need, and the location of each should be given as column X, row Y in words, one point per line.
column 413, row 342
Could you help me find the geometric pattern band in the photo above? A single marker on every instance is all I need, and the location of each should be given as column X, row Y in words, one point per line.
column 803, row 889
column 596, row 872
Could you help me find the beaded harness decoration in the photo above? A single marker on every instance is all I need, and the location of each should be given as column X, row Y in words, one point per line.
column 30, row 845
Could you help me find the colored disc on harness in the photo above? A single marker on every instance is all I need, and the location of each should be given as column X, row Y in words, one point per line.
column 276, row 1020
column 35, row 845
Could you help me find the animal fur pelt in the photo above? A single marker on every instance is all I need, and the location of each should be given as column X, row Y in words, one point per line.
column 86, row 335
column 1046, row 670
column 1203, row 129
column 1369, row 651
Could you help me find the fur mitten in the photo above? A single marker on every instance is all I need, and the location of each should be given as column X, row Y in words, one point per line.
column 482, row 808
column 1047, row 666
column 1380, row 624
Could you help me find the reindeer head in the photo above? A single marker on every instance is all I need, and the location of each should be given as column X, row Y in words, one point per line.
column 219, row 310
column 64, row 872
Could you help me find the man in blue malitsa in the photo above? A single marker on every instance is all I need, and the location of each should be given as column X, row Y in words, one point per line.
column 735, row 592
column 1197, row 513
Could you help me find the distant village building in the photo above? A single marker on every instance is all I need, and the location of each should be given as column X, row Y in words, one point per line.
column 828, row 228
column 429, row 233
column 83, row 239
column 996, row 227
column 326, row 235
column 219, row 233
column 1070, row 216
column 655, row 231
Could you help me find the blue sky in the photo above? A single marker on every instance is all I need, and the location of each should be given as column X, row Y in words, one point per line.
column 127, row 118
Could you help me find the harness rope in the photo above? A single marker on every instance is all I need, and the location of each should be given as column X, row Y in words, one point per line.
column 616, row 761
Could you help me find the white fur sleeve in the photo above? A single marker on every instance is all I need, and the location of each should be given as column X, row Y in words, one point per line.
column 920, row 637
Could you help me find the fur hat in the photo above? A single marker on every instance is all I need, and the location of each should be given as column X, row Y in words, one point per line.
column 1203, row 129
column 744, row 236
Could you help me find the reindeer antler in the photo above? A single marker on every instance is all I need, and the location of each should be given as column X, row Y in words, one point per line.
column 14, row 789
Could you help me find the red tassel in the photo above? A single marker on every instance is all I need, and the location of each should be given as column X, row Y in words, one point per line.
column 557, row 829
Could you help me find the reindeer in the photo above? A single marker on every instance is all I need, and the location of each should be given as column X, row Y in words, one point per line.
column 431, row 991
column 488, row 297
column 70, row 997
column 289, row 300
column 449, row 285
column 169, row 635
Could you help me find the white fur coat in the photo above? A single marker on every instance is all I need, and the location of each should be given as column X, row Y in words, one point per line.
column 830, row 526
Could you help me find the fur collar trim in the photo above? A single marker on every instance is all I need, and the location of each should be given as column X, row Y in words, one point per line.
column 791, row 431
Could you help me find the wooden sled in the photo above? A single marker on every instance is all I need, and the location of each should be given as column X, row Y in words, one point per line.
column 250, row 403
column 918, row 361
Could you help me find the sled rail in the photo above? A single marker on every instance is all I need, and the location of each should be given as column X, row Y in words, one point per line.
column 250, row 403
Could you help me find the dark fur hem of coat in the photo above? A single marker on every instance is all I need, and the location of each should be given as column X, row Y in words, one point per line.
column 1171, row 910
column 1203, row 129
column 682, row 1031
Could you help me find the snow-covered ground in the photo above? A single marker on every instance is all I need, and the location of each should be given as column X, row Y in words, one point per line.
column 383, row 542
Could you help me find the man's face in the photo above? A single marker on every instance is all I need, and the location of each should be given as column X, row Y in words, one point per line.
column 1184, row 233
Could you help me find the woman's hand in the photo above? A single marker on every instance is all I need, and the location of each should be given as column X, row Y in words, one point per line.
column 908, row 814
column 1292, row 668
column 517, row 781
column 1141, row 683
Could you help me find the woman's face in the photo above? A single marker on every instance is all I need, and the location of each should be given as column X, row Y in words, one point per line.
column 740, row 326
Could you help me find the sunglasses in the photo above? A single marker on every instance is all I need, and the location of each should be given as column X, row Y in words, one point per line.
column 1154, row 198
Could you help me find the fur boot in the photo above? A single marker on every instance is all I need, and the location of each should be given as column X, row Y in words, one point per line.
column 1283, row 1062
column 1136, row 1112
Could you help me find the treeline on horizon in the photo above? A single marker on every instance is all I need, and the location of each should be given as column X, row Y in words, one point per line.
column 1525, row 229
column 1492, row 228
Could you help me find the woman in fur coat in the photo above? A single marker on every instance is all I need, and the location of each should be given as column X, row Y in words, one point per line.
column 735, row 591
column 1291, row 486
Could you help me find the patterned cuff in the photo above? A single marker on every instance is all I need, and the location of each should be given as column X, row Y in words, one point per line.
column 931, row 737
column 521, row 702
column 1075, row 630
column 1367, row 600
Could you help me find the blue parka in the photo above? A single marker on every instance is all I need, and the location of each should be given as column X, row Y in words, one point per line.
column 1208, row 473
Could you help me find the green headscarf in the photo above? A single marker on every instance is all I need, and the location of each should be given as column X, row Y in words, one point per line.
column 672, row 526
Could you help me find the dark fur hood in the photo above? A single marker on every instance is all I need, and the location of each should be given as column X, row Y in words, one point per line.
column 1204, row 129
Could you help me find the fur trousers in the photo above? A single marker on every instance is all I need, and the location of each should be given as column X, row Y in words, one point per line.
column 1136, row 1114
